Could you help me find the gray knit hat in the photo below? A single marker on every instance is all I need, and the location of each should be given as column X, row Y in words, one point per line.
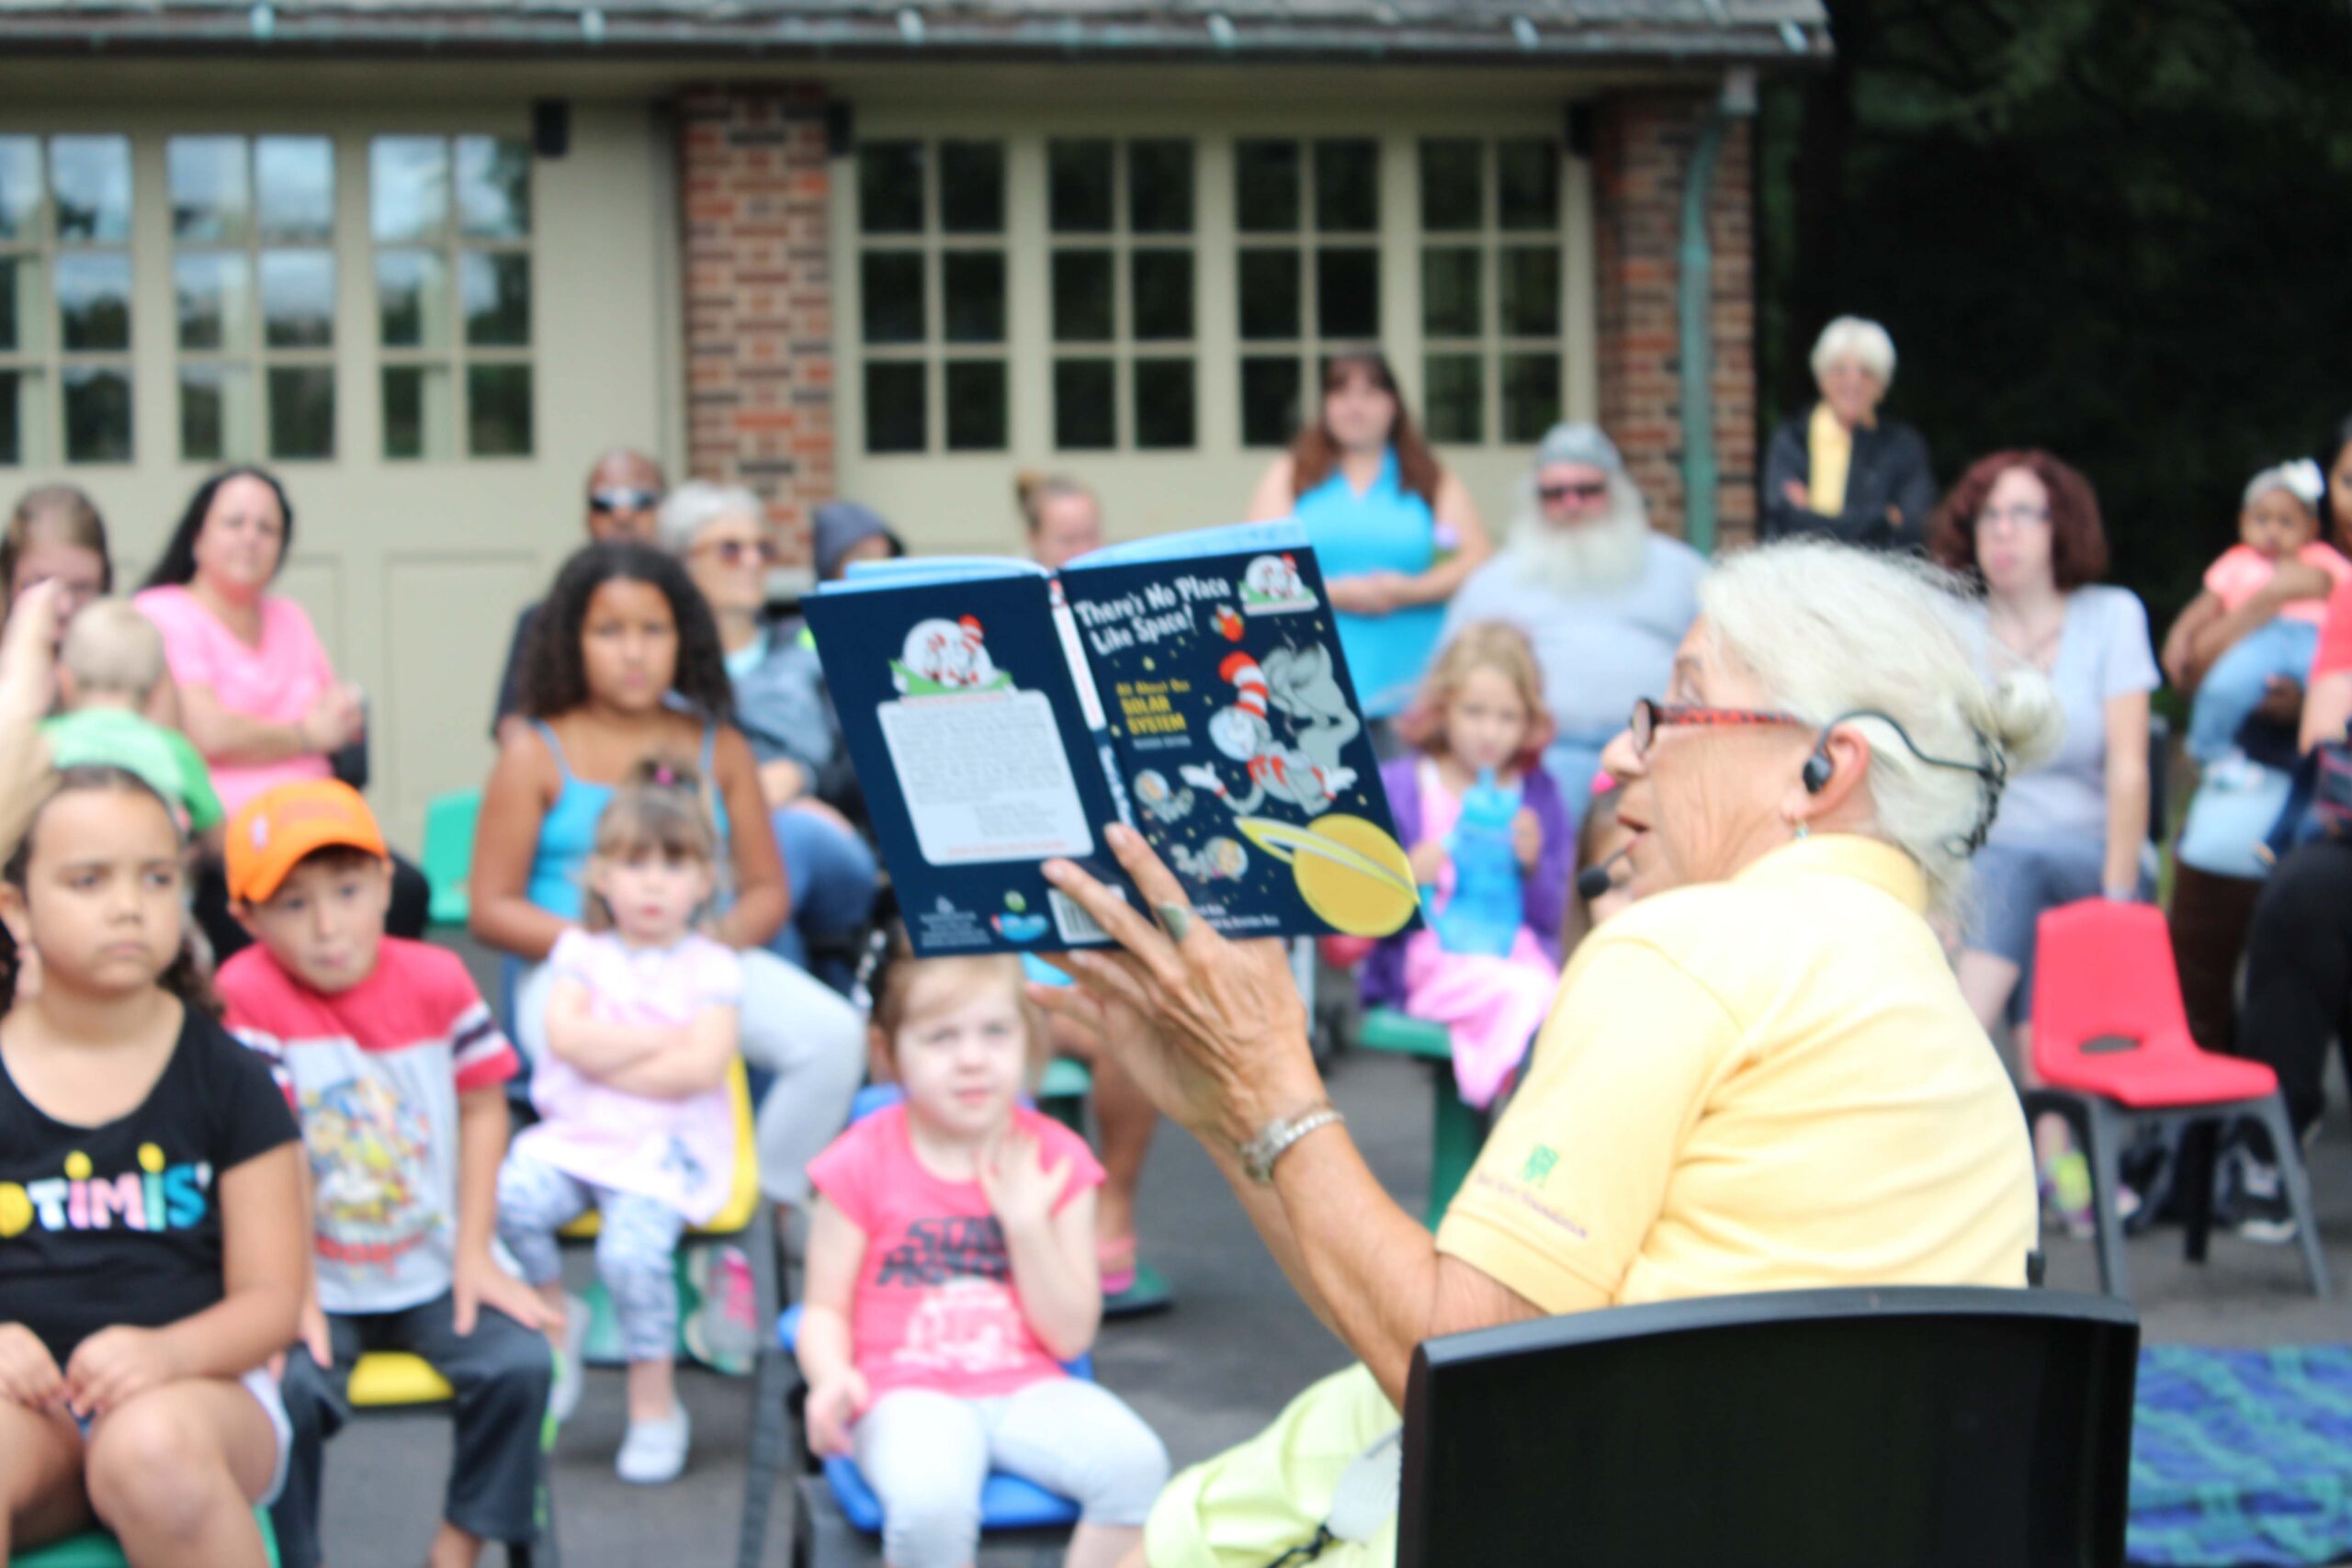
column 1579, row 442
column 839, row 528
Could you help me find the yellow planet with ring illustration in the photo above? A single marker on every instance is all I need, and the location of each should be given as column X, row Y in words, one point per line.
column 1353, row 875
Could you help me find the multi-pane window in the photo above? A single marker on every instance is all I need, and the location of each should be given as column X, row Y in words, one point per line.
column 930, row 268
column 254, row 295
column 64, row 299
column 1491, row 289
column 1121, row 216
column 451, row 218
column 1115, row 294
column 1308, row 268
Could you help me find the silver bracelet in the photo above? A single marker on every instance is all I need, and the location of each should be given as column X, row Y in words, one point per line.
column 1274, row 1139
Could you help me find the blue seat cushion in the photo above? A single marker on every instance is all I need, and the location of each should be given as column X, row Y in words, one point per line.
column 1007, row 1502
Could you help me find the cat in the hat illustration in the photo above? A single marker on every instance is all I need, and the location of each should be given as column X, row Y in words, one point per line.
column 1310, row 779
column 942, row 656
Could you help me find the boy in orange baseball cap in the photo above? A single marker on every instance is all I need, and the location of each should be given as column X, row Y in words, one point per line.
column 397, row 1072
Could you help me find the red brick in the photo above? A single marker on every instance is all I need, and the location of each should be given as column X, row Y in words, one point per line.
column 754, row 180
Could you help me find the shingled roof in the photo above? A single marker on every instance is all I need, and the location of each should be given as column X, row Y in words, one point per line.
column 1761, row 32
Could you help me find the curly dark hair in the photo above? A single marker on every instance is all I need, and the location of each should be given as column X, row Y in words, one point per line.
column 555, row 676
column 175, row 568
column 186, row 977
column 2077, row 542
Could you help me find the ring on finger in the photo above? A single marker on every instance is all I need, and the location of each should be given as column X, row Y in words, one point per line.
column 1175, row 919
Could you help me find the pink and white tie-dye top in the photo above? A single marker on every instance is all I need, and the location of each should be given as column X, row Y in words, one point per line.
column 679, row 1151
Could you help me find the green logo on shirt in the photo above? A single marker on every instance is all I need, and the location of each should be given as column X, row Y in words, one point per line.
column 1540, row 1161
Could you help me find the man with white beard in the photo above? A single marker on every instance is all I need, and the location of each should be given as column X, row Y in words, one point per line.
column 1604, row 598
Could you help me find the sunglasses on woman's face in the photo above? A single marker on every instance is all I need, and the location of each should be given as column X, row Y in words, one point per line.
column 1554, row 495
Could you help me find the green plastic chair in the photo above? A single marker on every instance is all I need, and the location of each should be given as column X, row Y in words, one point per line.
column 450, row 852
column 1061, row 1093
column 1456, row 1131
column 96, row 1549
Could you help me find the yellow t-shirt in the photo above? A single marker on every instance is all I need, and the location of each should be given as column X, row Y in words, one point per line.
column 1771, row 1083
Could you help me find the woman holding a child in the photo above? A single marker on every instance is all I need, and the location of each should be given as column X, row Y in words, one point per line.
column 1761, row 1076
column 2298, row 945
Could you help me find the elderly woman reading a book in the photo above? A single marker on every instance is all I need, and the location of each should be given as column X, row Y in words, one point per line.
column 1760, row 1077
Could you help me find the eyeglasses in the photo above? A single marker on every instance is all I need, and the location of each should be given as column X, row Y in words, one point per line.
column 622, row 499
column 738, row 552
column 1649, row 718
column 2014, row 516
column 1552, row 495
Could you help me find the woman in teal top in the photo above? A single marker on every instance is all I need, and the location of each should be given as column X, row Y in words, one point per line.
column 1394, row 532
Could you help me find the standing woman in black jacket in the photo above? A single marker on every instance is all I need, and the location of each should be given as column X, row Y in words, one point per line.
column 1838, row 469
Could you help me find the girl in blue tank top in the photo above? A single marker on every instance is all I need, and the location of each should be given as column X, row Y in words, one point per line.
column 1394, row 532
column 624, row 664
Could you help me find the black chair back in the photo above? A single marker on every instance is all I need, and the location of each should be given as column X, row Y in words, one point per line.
column 1866, row 1429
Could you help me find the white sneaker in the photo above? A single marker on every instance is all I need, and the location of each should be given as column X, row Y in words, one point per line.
column 654, row 1453
column 570, row 1371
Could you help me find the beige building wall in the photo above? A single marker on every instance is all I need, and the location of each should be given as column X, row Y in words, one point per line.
column 414, row 571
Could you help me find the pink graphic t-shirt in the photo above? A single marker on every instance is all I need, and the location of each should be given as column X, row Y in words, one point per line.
column 934, row 1306
column 278, row 680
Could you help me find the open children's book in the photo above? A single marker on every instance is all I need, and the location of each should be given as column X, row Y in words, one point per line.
column 1190, row 685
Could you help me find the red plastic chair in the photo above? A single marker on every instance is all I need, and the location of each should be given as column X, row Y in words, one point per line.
column 2111, row 1048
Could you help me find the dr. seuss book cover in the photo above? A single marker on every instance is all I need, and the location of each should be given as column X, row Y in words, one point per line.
column 1190, row 685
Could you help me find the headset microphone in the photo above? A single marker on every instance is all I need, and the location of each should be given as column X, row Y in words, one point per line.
column 1593, row 880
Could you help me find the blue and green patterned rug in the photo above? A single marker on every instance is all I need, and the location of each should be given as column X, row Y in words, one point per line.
column 2241, row 1458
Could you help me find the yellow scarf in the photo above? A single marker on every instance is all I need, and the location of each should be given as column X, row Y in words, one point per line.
column 1831, row 446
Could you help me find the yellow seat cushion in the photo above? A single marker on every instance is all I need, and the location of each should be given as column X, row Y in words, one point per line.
column 382, row 1379
column 742, row 1198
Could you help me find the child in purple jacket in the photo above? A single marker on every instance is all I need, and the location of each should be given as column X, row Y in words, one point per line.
column 1481, row 706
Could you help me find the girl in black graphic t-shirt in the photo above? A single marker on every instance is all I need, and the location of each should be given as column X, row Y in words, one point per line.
column 153, row 1245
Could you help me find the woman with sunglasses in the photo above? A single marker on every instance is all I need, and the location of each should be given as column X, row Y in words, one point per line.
column 1393, row 528
column 1758, row 1076
column 781, row 706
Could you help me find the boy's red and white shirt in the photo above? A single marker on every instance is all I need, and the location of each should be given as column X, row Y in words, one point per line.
column 374, row 1073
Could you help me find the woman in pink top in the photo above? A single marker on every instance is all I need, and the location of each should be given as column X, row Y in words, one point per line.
column 256, row 693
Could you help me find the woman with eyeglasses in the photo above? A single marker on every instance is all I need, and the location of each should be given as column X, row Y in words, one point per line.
column 2027, row 527
column 781, row 706
column 1393, row 528
column 1761, row 1076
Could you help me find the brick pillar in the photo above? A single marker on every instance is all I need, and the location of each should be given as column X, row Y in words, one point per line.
column 1643, row 148
column 758, row 297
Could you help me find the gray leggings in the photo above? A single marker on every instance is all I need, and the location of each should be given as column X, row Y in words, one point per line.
column 793, row 1026
column 633, row 1247
column 925, row 1454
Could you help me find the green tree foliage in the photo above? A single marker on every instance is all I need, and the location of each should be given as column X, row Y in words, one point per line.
column 2118, row 229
